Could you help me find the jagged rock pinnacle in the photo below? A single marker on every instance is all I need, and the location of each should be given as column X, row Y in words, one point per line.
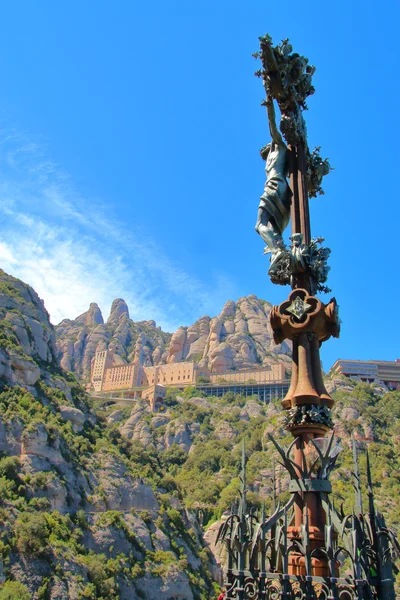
column 92, row 317
column 118, row 308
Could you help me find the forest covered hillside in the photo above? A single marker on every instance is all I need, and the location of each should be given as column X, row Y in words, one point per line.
column 115, row 501
column 84, row 513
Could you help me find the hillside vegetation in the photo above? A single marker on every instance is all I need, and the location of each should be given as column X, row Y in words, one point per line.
column 83, row 513
column 108, row 501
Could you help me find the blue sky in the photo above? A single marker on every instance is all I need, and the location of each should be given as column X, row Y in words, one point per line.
column 129, row 165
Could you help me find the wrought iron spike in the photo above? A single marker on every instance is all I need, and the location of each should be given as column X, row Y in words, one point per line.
column 273, row 485
column 357, row 480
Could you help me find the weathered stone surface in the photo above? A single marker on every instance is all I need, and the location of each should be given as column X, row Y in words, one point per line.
column 11, row 436
column 115, row 417
column 336, row 383
column 23, row 371
column 177, row 345
column 26, row 315
column 119, row 308
column 30, row 571
column 92, row 317
column 177, row 432
column 74, row 416
column 158, row 421
column 119, row 490
column 79, row 339
column 135, row 428
column 225, row 430
column 349, row 414
column 200, row 402
column 36, row 445
column 70, row 473
column 55, row 492
column 218, row 551
column 239, row 337
column 253, row 409
column 139, row 527
column 107, row 539
column 173, row 585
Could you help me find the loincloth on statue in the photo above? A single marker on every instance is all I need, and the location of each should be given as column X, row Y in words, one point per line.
column 276, row 201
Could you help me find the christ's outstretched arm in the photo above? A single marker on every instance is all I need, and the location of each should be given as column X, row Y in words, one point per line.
column 275, row 134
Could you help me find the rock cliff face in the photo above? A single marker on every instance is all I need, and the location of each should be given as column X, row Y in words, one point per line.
column 26, row 337
column 82, row 515
column 79, row 339
column 239, row 337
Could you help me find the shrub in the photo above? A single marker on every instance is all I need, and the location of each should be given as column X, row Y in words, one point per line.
column 40, row 504
column 14, row 590
column 80, row 519
column 174, row 455
column 31, row 533
column 9, row 467
column 99, row 573
column 190, row 392
column 145, row 516
column 175, row 518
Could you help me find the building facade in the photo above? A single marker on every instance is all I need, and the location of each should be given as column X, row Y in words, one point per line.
column 276, row 372
column 106, row 376
column 386, row 371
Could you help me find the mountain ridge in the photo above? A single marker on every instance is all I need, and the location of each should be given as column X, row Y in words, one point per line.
column 239, row 337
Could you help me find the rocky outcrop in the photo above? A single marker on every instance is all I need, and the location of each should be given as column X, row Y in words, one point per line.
column 225, row 431
column 177, row 432
column 119, row 308
column 73, row 416
column 25, row 322
column 240, row 337
column 18, row 370
column 62, row 464
column 92, row 317
column 78, row 340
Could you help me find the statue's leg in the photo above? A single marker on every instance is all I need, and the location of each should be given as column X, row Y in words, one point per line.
column 265, row 228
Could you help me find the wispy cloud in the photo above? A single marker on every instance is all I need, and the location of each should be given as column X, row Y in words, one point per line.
column 73, row 251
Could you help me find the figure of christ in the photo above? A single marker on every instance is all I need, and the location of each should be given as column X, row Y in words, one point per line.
column 274, row 208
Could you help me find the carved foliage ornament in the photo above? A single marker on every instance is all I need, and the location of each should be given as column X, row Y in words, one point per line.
column 287, row 77
column 308, row 414
column 302, row 257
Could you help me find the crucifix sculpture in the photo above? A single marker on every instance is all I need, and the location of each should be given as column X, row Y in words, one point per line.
column 287, row 79
column 303, row 319
column 297, row 551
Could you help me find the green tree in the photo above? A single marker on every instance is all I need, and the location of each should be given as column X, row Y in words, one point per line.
column 14, row 590
column 9, row 467
column 31, row 532
column 174, row 455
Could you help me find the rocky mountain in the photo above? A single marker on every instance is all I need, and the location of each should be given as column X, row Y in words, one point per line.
column 239, row 337
column 84, row 512
column 114, row 501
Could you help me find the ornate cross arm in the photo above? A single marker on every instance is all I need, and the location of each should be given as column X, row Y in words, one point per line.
column 271, row 76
